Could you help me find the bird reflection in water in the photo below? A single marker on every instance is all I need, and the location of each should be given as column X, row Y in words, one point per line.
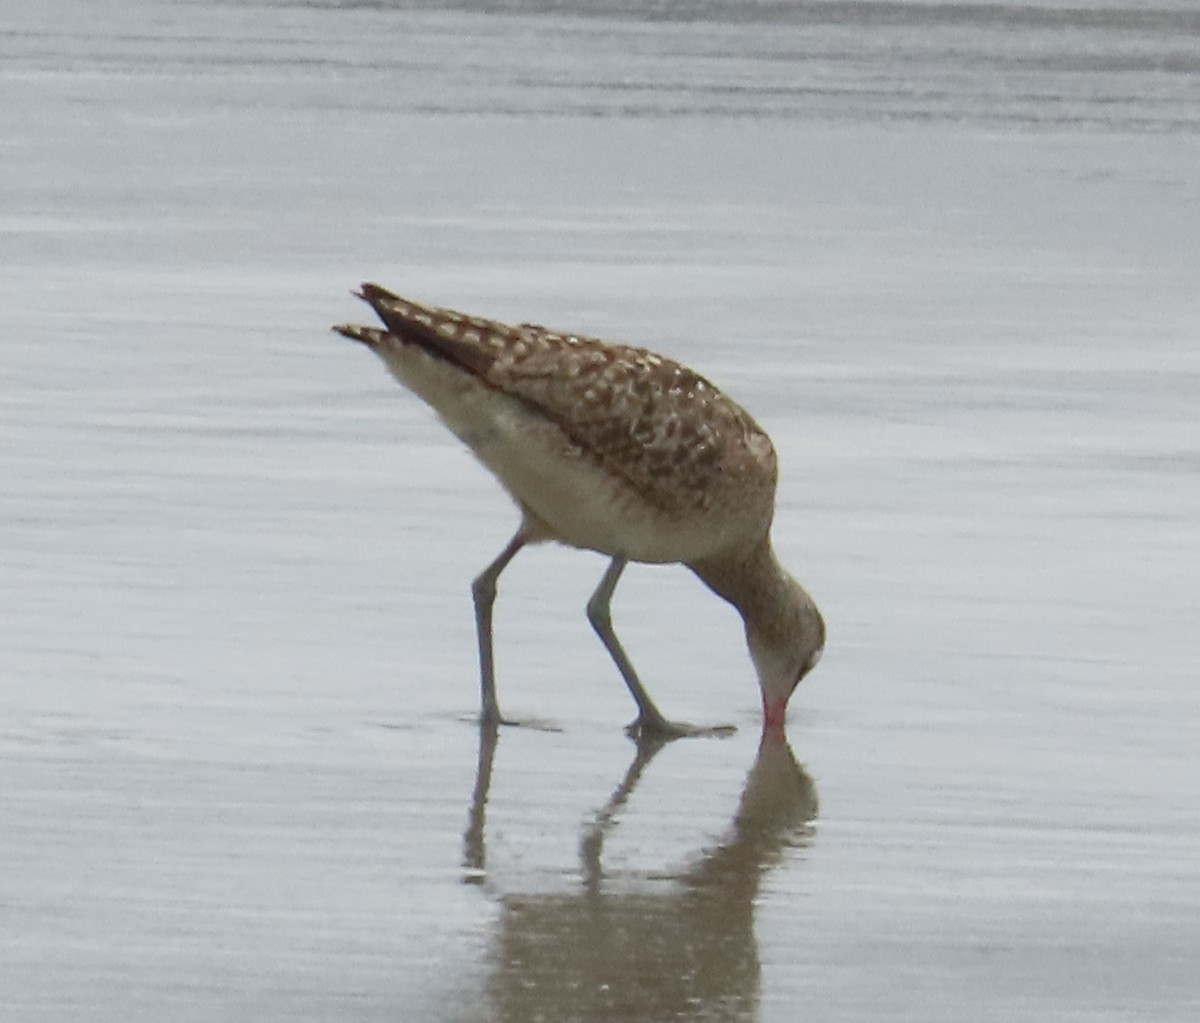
column 670, row 947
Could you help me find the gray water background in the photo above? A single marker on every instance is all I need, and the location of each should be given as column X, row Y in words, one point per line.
column 946, row 253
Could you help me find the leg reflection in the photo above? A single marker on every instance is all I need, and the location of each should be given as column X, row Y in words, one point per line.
column 675, row 945
column 474, row 849
column 592, row 843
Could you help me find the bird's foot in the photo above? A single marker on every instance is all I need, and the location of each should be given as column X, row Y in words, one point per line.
column 656, row 727
column 500, row 720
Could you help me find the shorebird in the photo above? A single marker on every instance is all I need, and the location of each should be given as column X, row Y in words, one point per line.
column 614, row 449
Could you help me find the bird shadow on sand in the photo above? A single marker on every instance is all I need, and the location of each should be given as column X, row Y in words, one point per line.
column 624, row 945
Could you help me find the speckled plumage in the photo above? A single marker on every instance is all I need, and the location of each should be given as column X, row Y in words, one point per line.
column 663, row 431
column 604, row 446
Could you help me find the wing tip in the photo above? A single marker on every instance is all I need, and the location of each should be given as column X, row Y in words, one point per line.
column 372, row 337
column 372, row 293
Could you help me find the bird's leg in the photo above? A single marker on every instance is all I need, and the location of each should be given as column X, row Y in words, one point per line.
column 599, row 611
column 483, row 589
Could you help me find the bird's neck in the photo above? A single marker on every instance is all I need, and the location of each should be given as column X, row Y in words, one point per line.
column 784, row 629
column 752, row 580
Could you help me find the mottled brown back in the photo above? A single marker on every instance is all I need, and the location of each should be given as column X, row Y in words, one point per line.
column 673, row 436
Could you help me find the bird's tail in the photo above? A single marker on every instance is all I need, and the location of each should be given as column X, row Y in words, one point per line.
column 372, row 337
column 470, row 343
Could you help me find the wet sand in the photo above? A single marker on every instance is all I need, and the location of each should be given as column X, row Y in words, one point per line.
column 948, row 261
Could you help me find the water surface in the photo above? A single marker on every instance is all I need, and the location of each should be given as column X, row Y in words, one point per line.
column 944, row 252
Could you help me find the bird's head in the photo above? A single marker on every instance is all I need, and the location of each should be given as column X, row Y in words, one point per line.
column 785, row 645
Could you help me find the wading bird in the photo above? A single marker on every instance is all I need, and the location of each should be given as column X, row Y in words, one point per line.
column 614, row 449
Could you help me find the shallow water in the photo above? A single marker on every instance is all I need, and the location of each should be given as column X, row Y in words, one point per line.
column 947, row 256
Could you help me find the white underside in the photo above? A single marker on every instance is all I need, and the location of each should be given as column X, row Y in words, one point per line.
column 567, row 491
